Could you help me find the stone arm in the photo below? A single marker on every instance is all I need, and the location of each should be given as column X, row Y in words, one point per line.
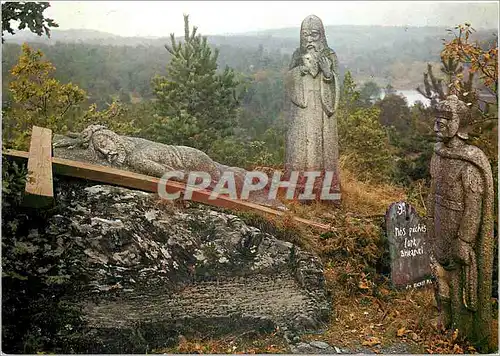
column 296, row 59
column 473, row 192
column 468, row 232
column 330, row 86
column 431, row 201
column 139, row 162
column 333, row 70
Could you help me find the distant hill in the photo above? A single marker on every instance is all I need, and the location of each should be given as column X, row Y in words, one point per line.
column 342, row 36
column 384, row 54
column 73, row 35
column 348, row 41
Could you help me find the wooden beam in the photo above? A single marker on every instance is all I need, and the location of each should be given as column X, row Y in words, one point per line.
column 39, row 191
column 138, row 181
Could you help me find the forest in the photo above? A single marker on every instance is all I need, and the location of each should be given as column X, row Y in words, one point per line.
column 125, row 75
column 385, row 55
column 225, row 95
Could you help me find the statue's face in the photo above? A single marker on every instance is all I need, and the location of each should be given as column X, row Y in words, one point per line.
column 312, row 39
column 105, row 145
column 312, row 35
column 445, row 128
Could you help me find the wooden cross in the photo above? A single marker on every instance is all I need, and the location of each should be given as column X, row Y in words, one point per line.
column 39, row 186
column 39, row 190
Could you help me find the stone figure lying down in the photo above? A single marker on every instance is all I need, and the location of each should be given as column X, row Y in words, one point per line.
column 99, row 145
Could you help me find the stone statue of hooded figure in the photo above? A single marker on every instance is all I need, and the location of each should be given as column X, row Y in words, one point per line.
column 312, row 87
column 460, row 213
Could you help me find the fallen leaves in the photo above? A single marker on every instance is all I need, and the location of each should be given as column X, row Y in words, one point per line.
column 448, row 343
column 363, row 284
column 414, row 337
column 371, row 341
column 242, row 344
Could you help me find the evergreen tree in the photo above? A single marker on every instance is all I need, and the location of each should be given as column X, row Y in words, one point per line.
column 394, row 111
column 349, row 97
column 363, row 141
column 369, row 93
column 198, row 103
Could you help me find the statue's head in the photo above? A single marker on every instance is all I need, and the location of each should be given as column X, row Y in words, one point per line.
column 101, row 141
column 312, row 35
column 110, row 145
column 448, row 115
column 86, row 134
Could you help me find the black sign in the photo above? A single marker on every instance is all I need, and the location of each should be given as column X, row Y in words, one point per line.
column 410, row 254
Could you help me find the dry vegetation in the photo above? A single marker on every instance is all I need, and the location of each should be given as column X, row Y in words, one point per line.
column 368, row 314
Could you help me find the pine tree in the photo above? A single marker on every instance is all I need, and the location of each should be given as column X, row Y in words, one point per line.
column 349, row 96
column 364, row 142
column 198, row 104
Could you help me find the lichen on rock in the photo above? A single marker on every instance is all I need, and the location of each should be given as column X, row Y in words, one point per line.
column 157, row 270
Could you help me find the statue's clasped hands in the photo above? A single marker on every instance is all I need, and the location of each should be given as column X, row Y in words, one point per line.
column 109, row 154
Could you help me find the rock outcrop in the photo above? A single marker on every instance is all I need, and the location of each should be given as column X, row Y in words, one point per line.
column 153, row 271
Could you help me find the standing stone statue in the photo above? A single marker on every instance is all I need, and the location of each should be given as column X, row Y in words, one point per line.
column 313, row 93
column 461, row 226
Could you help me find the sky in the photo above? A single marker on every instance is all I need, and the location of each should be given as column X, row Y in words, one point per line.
column 160, row 18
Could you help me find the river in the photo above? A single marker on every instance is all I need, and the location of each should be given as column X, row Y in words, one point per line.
column 411, row 96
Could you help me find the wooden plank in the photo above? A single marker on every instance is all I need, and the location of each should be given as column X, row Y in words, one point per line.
column 39, row 191
column 138, row 181
column 16, row 154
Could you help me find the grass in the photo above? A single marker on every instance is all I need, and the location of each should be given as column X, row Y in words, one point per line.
column 248, row 343
column 367, row 312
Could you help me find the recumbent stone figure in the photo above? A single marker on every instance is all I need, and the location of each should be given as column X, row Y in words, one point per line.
column 99, row 145
column 461, row 225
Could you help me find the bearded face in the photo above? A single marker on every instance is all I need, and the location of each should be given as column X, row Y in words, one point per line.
column 312, row 35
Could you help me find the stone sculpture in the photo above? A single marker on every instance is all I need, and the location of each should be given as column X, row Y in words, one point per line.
column 461, row 225
column 140, row 155
column 312, row 86
column 99, row 145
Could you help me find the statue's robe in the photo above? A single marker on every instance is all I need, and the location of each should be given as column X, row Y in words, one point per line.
column 312, row 139
column 454, row 172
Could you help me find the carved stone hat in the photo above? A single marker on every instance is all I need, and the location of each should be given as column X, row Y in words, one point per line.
column 313, row 22
column 452, row 108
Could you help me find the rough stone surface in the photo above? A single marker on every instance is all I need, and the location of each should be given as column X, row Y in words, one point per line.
column 461, row 225
column 409, row 250
column 312, row 86
column 155, row 270
column 98, row 145
column 320, row 347
column 319, row 344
